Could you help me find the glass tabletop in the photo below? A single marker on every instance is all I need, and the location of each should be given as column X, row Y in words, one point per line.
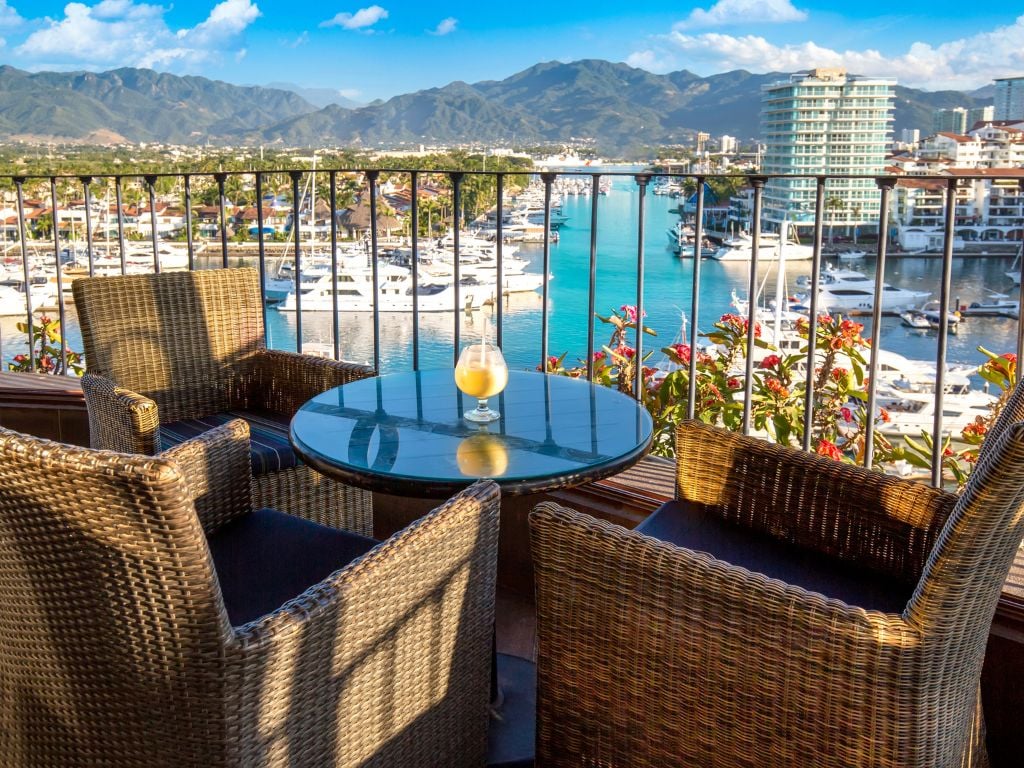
column 405, row 434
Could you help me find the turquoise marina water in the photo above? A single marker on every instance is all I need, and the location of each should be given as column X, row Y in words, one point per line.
column 667, row 294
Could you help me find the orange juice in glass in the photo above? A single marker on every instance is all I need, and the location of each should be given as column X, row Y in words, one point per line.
column 481, row 373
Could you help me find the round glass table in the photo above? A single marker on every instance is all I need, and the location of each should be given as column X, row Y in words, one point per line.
column 404, row 434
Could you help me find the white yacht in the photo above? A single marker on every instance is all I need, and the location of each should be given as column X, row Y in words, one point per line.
column 769, row 248
column 12, row 297
column 394, row 293
column 911, row 413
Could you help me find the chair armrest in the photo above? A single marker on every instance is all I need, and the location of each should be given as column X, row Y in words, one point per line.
column 859, row 515
column 216, row 467
column 282, row 381
column 651, row 654
column 395, row 647
column 119, row 419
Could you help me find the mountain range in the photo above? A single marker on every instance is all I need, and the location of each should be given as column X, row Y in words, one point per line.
column 618, row 107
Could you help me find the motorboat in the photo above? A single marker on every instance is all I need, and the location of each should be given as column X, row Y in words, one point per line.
column 850, row 290
column 997, row 305
column 929, row 316
column 854, row 255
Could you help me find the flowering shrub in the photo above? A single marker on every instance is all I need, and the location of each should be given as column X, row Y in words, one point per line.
column 46, row 341
column 999, row 370
column 778, row 385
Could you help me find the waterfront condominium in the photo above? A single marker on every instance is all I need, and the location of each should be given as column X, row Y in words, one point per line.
column 1009, row 98
column 825, row 122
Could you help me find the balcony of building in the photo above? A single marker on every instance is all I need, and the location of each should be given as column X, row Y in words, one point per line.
column 54, row 407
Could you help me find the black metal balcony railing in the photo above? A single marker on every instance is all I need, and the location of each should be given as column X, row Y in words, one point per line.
column 885, row 186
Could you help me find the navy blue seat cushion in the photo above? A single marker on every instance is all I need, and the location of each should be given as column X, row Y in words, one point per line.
column 265, row 558
column 693, row 527
column 268, row 436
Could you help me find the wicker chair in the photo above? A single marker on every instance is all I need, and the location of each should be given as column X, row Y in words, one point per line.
column 174, row 354
column 130, row 638
column 784, row 611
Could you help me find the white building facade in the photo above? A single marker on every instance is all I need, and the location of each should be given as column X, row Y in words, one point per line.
column 825, row 122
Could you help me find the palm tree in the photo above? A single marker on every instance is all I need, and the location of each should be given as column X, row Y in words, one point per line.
column 833, row 204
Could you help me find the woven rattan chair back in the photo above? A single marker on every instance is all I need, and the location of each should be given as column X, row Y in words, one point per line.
column 91, row 545
column 175, row 337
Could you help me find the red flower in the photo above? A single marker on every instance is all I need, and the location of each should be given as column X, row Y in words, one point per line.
column 884, row 416
column 947, row 451
column 839, row 374
column 846, row 413
column 1009, row 356
column 626, row 352
column 682, row 352
column 771, row 361
column 598, row 356
column 630, row 312
column 733, row 383
column 830, row 449
column 775, row 386
column 824, row 319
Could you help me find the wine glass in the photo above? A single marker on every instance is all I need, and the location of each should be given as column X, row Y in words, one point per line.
column 481, row 373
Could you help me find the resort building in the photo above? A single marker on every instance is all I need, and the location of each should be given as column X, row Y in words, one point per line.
column 825, row 122
column 1009, row 98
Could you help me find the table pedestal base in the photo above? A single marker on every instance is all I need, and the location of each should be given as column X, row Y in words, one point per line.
column 512, row 732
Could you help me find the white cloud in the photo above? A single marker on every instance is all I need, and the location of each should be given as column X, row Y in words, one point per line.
column 296, row 42
column 964, row 63
column 350, row 93
column 445, row 26
column 658, row 62
column 364, row 17
column 123, row 33
column 8, row 16
column 729, row 12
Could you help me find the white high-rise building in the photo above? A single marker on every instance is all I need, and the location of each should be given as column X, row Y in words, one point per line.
column 825, row 122
column 1009, row 98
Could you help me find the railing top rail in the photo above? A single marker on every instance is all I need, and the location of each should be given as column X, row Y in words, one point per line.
column 999, row 174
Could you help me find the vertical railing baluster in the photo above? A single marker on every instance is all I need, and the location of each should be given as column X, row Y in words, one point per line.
column 262, row 259
column 456, row 262
column 296, row 176
column 691, row 397
column 945, row 289
column 19, row 184
column 335, row 321
column 757, row 182
column 500, row 252
column 592, row 280
column 812, row 331
column 86, row 182
column 189, row 243
column 414, row 211
column 221, row 178
column 371, row 179
column 119, row 199
column 548, row 178
column 885, row 184
column 151, row 183
column 60, row 276
column 1020, row 264
column 638, row 359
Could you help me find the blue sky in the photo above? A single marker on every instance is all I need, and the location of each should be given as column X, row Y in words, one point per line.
column 381, row 48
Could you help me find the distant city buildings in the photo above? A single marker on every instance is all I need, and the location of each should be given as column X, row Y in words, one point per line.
column 911, row 136
column 727, row 144
column 1009, row 98
column 977, row 115
column 825, row 122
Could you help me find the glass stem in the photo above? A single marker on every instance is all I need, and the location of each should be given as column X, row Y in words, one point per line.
column 481, row 404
